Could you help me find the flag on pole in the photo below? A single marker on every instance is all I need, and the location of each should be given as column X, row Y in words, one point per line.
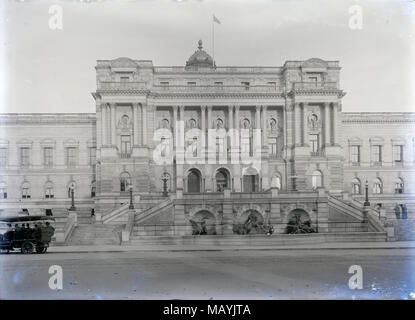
column 216, row 20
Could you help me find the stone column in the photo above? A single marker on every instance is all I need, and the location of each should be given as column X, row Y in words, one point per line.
column 104, row 124
column 209, row 117
column 326, row 124
column 305, row 125
column 113, row 127
column 230, row 117
column 336, row 123
column 174, row 125
column 297, row 124
column 258, row 117
column 144, row 125
column 236, row 117
column 264, row 126
column 135, row 121
column 203, row 127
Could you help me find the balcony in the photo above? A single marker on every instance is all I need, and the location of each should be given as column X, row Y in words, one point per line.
column 125, row 155
column 318, row 153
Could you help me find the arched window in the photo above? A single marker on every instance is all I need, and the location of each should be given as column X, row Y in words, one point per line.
column 317, row 179
column 377, row 186
column 276, row 181
column 93, row 189
column 125, row 181
column 356, row 186
column 26, row 190
column 222, row 180
column 49, row 190
column 3, row 190
column 399, row 185
column 193, row 181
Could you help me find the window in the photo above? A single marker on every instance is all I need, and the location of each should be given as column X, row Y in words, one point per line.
column 24, row 157
column 356, row 186
column 3, row 157
column 245, row 84
column 49, row 191
column 218, row 83
column 314, row 145
column 399, row 185
column 272, row 83
column 125, row 146
column 26, row 190
column 92, row 156
column 191, row 83
column 194, row 147
column 71, row 157
column 377, row 155
column 164, row 83
column 125, row 181
column 48, row 157
column 124, row 79
column 272, row 144
column 377, row 186
column 48, row 212
column 3, row 190
column 93, row 191
column 276, row 182
column 398, row 154
column 317, row 179
column 355, row 154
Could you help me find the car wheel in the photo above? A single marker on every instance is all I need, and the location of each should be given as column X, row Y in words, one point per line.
column 27, row 247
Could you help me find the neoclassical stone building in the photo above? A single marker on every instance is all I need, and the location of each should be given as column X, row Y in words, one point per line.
column 311, row 158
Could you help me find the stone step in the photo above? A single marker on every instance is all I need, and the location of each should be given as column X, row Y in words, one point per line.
column 275, row 239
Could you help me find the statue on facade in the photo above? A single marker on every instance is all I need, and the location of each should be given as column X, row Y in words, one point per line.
column 124, row 122
column 313, row 122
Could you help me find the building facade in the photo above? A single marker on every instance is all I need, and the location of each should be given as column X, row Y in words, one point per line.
column 183, row 130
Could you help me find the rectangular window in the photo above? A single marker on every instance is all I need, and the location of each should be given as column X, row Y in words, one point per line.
column 272, row 145
column 377, row 155
column 26, row 193
column 192, row 83
column 314, row 144
column 92, row 156
column 71, row 157
column 124, row 79
column 24, row 157
column 219, row 83
column 355, row 154
column 125, row 146
column 3, row 157
column 48, row 157
column 3, row 193
column 245, row 84
column 398, row 154
column 164, row 83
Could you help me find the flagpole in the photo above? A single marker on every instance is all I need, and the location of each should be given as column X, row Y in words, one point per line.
column 213, row 40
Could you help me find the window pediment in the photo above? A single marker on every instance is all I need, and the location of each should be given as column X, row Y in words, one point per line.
column 377, row 141
column 71, row 143
column 356, row 141
column 25, row 143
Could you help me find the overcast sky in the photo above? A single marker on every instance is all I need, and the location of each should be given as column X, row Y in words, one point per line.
column 44, row 70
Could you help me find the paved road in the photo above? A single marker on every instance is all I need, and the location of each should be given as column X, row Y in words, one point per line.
column 299, row 274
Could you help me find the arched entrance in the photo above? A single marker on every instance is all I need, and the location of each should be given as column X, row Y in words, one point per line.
column 298, row 221
column 204, row 222
column 250, row 180
column 194, row 181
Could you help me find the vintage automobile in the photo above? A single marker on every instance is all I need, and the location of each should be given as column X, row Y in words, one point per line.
column 26, row 239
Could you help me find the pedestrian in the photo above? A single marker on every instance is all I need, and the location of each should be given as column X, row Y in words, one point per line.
column 397, row 211
column 49, row 232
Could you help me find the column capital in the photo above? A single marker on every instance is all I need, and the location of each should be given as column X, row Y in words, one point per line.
column 203, row 107
column 237, row 107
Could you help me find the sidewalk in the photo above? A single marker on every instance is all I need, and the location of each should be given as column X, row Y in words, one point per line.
column 173, row 248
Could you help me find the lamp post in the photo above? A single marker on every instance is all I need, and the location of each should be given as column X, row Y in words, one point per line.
column 131, row 197
column 165, row 193
column 72, row 208
column 366, row 203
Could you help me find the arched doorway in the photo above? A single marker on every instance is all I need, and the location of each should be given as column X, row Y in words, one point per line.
column 194, row 181
column 206, row 223
column 298, row 221
column 222, row 180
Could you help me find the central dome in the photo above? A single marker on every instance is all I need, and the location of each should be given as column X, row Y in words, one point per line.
column 200, row 59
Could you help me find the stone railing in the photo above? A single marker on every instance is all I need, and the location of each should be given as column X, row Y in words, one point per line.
column 115, row 213
column 113, row 85
column 217, row 88
column 248, row 69
column 315, row 85
column 62, row 236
